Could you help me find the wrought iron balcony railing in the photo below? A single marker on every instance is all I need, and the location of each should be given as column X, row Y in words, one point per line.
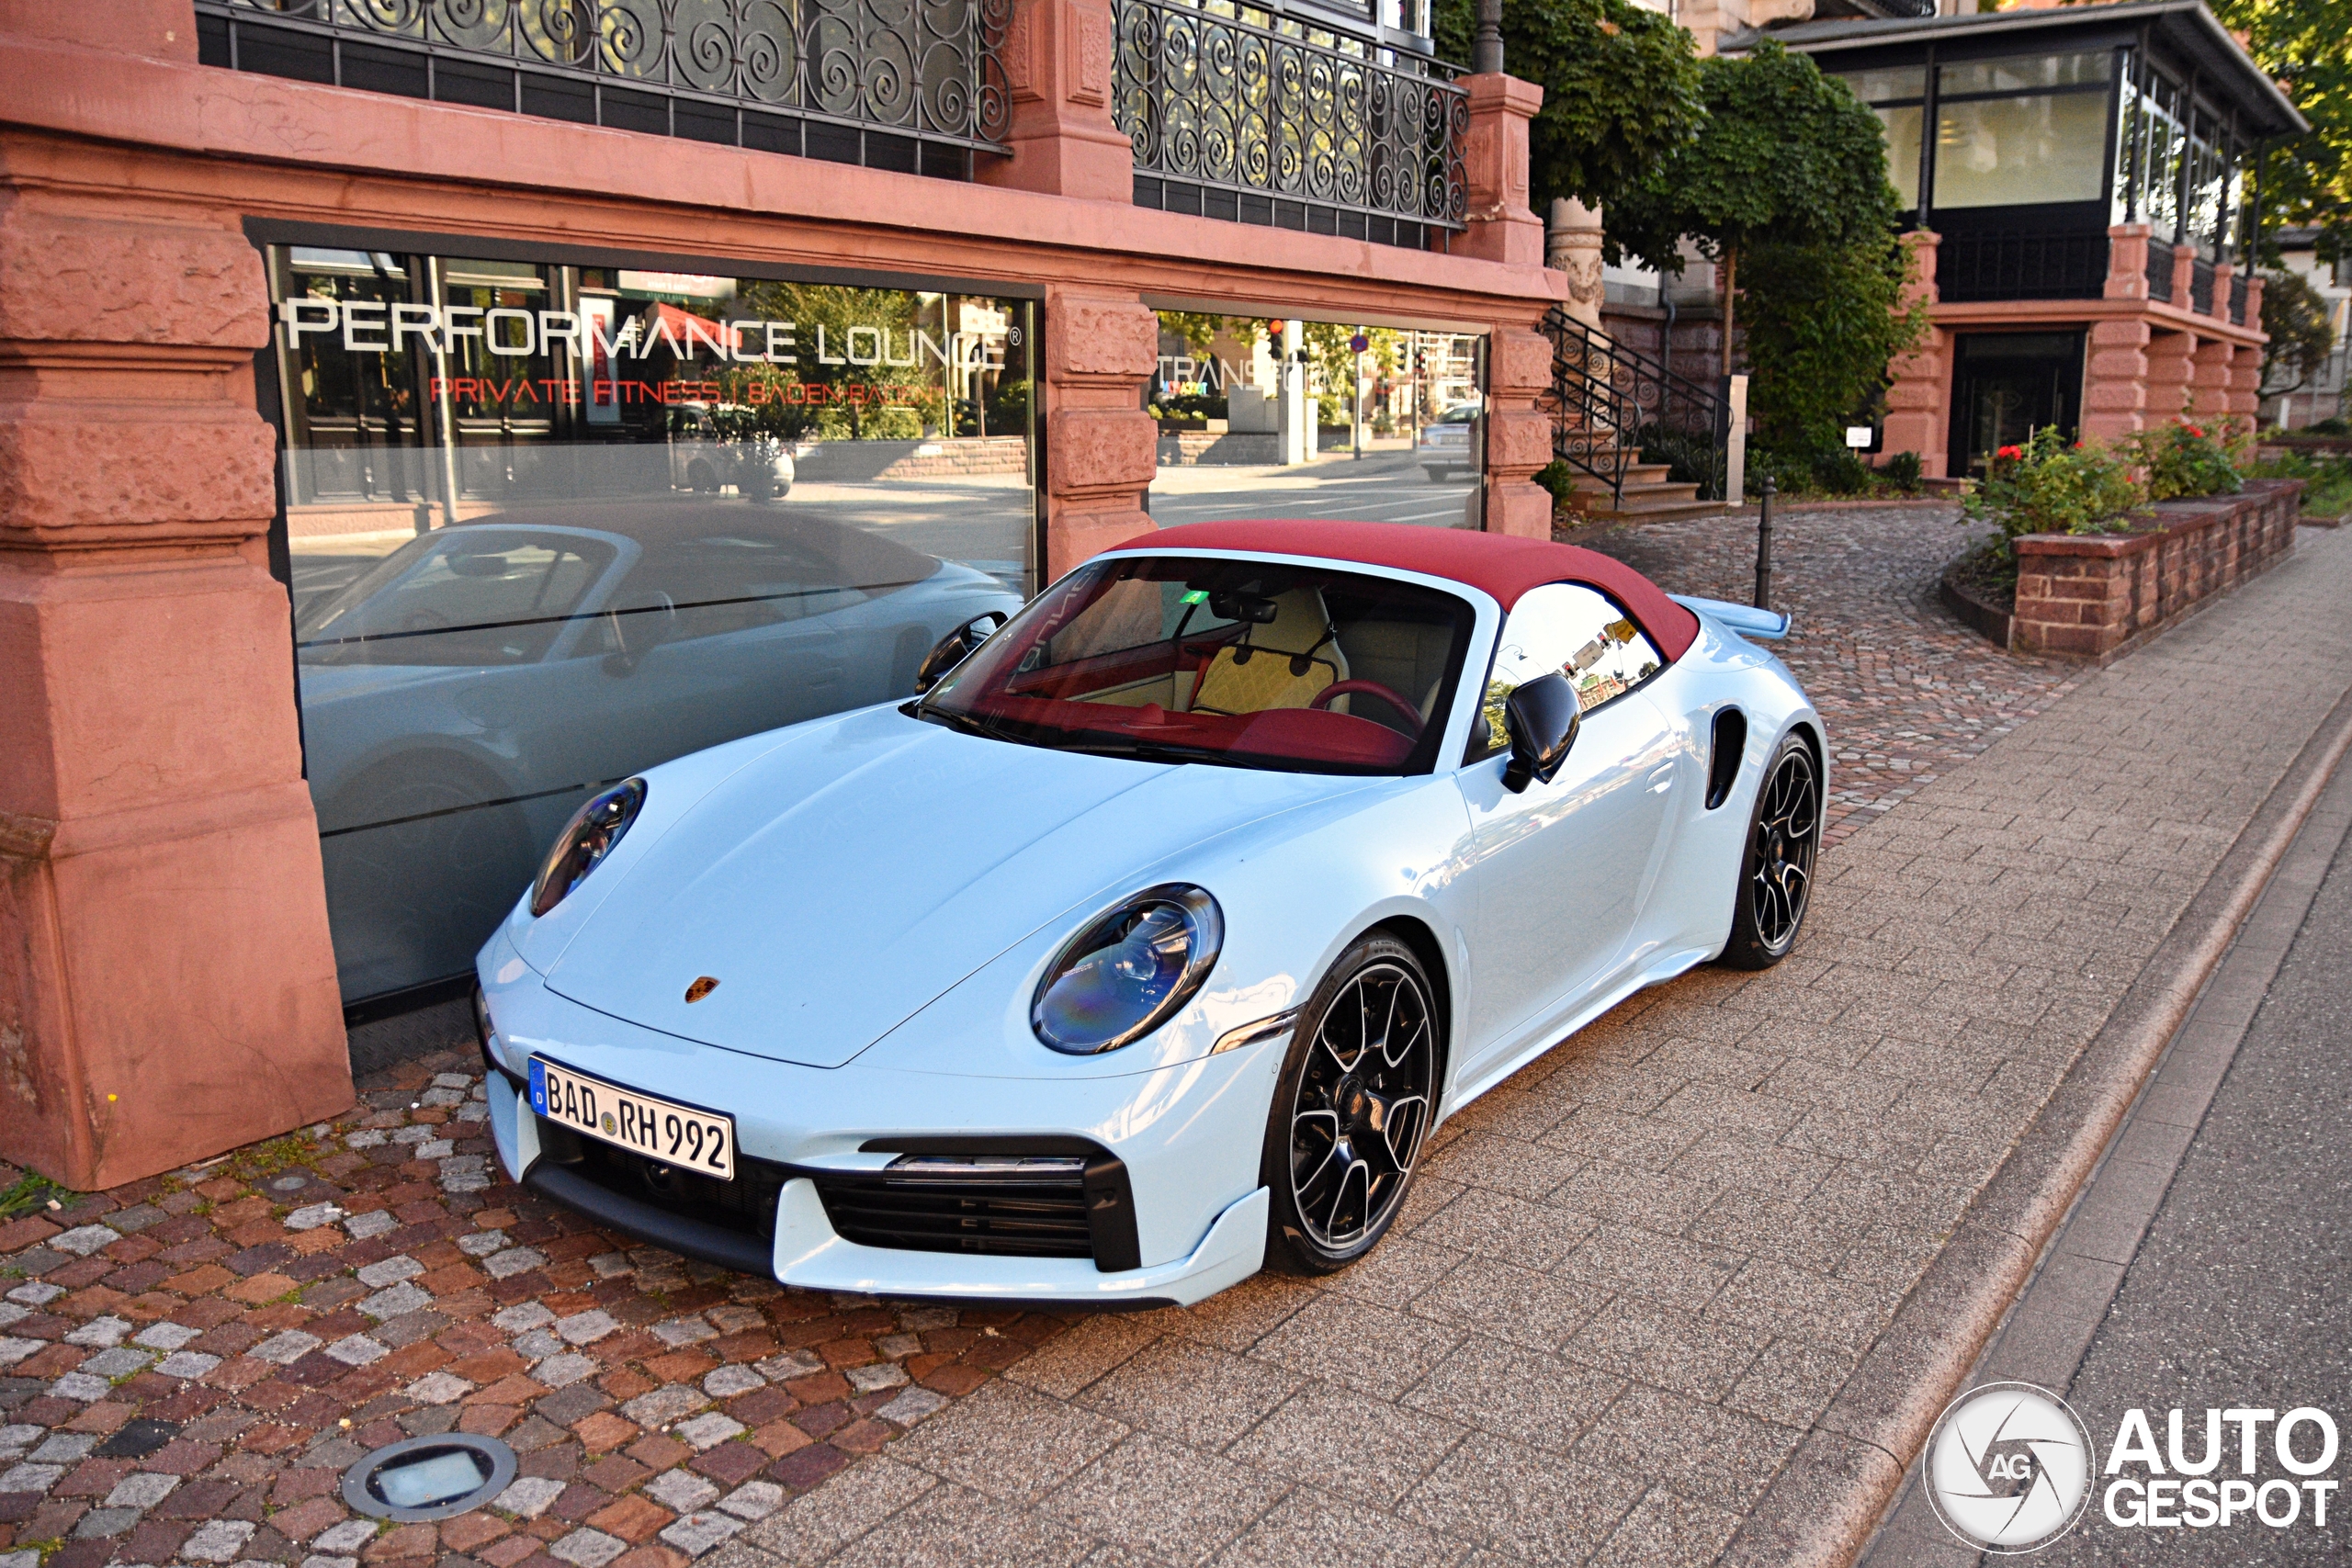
column 912, row 84
column 2159, row 270
column 2018, row 265
column 1240, row 113
column 2237, row 300
column 2201, row 286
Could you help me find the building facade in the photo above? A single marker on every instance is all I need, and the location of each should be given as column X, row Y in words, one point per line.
column 2082, row 182
column 416, row 417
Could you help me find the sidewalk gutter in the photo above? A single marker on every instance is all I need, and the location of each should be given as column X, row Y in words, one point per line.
column 1823, row 1506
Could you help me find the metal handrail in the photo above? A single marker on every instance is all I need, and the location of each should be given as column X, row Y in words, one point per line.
column 931, row 69
column 1235, row 97
column 1607, row 398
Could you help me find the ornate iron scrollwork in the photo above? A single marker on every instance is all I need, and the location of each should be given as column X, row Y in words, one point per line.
column 1608, row 401
column 1235, row 97
column 927, row 68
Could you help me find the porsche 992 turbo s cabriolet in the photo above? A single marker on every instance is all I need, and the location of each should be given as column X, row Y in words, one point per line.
column 1155, row 936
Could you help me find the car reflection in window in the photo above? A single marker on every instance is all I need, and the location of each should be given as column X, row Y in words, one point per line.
column 460, row 696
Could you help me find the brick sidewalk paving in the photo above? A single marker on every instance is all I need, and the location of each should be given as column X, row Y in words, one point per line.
column 1905, row 690
column 1629, row 1279
column 1633, row 1277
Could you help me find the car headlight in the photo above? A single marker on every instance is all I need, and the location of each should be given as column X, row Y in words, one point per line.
column 1128, row 970
column 585, row 840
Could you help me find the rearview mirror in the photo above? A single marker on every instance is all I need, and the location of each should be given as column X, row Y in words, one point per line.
column 954, row 649
column 1542, row 717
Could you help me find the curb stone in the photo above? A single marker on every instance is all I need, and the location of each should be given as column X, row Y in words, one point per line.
column 1825, row 1502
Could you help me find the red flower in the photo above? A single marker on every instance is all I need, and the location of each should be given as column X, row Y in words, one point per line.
column 2197, row 431
column 2010, row 453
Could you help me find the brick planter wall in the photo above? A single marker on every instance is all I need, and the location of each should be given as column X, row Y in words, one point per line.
column 2089, row 596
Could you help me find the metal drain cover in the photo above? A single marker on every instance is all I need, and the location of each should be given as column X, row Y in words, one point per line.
column 429, row 1478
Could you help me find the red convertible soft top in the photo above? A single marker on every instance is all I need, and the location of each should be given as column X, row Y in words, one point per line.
column 1498, row 564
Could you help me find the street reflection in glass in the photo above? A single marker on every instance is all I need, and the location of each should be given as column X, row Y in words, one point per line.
column 548, row 527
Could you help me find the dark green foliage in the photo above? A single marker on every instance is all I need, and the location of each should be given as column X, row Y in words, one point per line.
column 2307, row 44
column 1559, row 479
column 2301, row 338
column 1901, row 470
column 1787, row 155
column 1823, row 320
column 1621, row 90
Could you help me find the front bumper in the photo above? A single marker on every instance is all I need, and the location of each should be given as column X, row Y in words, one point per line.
column 1187, row 1137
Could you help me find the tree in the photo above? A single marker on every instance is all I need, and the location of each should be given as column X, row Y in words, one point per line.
column 1621, row 90
column 1823, row 321
column 1788, row 157
column 2306, row 44
column 2301, row 338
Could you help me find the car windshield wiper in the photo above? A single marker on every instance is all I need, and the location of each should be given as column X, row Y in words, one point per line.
column 969, row 724
column 1167, row 752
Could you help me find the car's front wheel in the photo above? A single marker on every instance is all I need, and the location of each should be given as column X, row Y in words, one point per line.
column 1351, row 1108
column 1775, row 872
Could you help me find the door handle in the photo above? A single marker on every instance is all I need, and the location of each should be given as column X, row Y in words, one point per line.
column 1661, row 779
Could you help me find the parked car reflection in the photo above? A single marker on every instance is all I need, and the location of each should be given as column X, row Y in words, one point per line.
column 461, row 695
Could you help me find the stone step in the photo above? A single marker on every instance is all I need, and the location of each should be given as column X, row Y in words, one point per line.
column 1634, row 511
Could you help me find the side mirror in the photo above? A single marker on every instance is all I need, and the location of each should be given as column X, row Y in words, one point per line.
column 955, row 647
column 1542, row 717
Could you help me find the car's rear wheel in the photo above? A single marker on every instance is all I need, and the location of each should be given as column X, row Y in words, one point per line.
column 1351, row 1108
column 1775, row 872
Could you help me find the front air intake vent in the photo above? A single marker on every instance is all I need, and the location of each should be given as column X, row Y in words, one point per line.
column 1010, row 1204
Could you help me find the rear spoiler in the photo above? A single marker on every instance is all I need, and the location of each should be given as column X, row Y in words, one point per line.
column 1744, row 619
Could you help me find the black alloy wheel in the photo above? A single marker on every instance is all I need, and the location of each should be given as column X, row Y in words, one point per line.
column 1775, row 874
column 1351, row 1108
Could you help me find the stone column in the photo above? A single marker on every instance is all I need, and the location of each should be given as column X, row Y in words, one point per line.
column 1572, row 246
column 2208, row 384
column 1502, row 227
column 1102, row 449
column 2171, row 363
column 2126, row 262
column 167, row 988
column 2253, row 287
column 2223, row 276
column 2245, row 383
column 2184, row 277
column 1519, row 432
column 1058, row 67
column 2115, row 377
column 1918, row 412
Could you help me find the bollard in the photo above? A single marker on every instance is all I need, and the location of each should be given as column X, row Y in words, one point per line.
column 1764, row 545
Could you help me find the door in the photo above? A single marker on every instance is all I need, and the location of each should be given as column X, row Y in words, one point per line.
column 2004, row 385
column 1560, row 871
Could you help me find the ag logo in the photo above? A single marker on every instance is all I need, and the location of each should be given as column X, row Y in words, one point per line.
column 2008, row 1467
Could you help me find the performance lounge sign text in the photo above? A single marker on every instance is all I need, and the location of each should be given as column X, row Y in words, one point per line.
column 371, row 326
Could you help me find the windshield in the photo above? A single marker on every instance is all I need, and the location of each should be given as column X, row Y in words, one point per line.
column 1234, row 663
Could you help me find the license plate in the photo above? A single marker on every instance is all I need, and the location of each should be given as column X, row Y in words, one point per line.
column 661, row 1129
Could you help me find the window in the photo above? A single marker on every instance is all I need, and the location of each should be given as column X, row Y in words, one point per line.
column 1266, row 417
column 1568, row 629
column 1232, row 662
column 2022, row 131
column 549, row 526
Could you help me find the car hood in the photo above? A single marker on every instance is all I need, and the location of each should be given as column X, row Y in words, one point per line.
column 842, row 880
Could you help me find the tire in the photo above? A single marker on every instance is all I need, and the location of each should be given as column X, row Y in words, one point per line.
column 1437, row 476
column 1349, row 1119
column 1776, row 869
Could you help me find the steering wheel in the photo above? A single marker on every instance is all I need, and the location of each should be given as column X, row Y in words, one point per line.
column 1338, row 689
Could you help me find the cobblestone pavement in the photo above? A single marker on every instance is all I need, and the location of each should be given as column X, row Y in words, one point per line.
column 1629, row 1279
column 188, row 1363
column 1905, row 690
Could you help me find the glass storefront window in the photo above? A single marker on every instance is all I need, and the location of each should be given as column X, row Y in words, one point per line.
column 550, row 526
column 2025, row 73
column 1887, row 84
column 1268, row 417
column 2016, row 152
column 1903, row 123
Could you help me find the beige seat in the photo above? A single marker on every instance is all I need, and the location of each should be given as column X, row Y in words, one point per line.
column 1233, row 685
